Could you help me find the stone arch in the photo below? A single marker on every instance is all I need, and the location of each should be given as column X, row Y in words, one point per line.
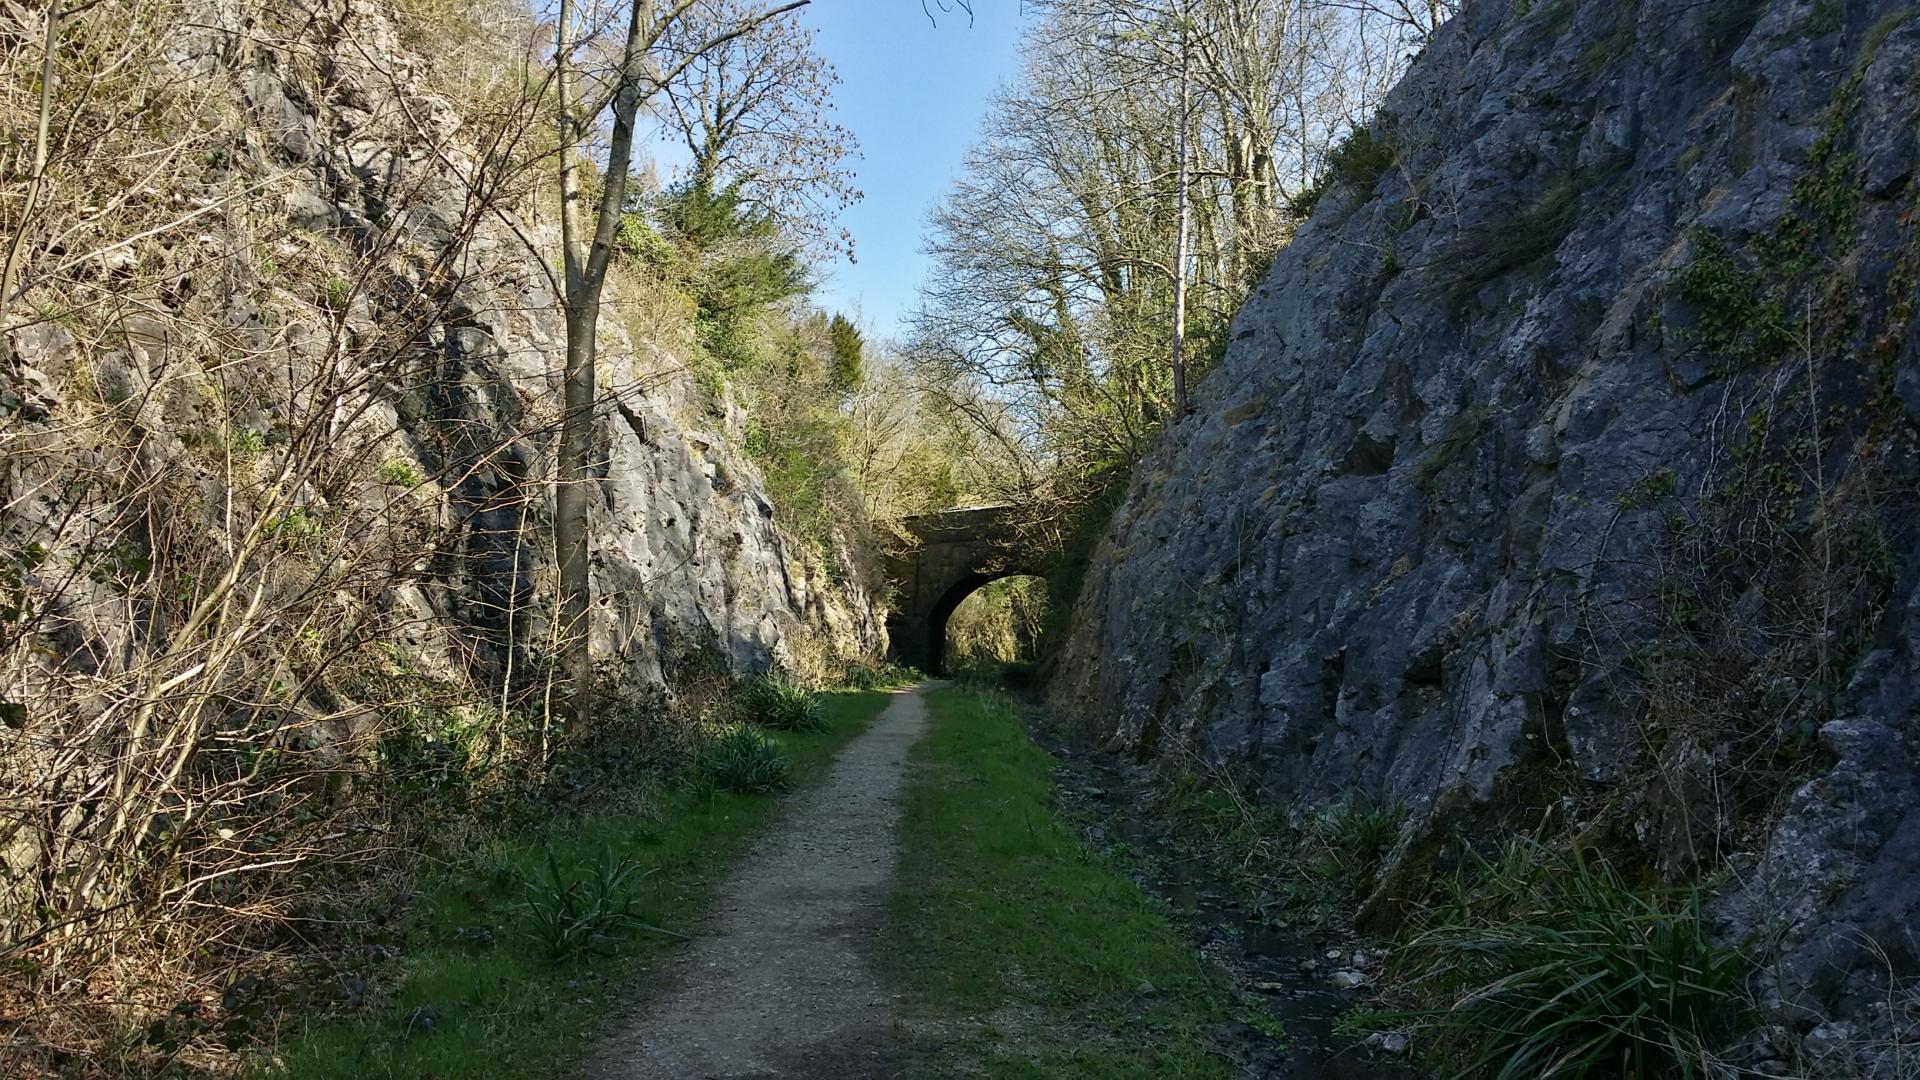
column 954, row 553
column 944, row 607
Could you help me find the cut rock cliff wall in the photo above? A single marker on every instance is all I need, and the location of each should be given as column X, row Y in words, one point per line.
column 1563, row 466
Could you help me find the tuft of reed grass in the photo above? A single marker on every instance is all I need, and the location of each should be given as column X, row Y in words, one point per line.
column 776, row 701
column 575, row 911
column 743, row 760
column 1537, row 966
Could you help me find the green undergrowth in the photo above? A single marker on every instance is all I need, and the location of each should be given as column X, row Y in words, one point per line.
column 1535, row 962
column 512, row 962
column 880, row 675
column 1531, row 960
column 1022, row 951
column 1313, row 871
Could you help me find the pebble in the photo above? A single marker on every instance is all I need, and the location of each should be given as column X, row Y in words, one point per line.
column 1391, row 1042
column 1347, row 980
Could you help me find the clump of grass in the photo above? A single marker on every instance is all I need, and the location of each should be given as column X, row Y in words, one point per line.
column 1527, row 239
column 776, row 701
column 1358, row 830
column 247, row 441
column 400, row 472
column 336, row 294
column 881, row 675
column 743, row 760
column 573, row 913
column 1538, row 965
column 1314, row 871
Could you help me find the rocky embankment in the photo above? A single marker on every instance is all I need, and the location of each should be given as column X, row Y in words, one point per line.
column 374, row 255
column 279, row 400
column 1562, row 469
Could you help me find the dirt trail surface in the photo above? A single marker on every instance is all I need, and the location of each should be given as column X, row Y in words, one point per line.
column 778, row 986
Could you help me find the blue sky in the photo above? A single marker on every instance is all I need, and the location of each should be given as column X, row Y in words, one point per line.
column 913, row 92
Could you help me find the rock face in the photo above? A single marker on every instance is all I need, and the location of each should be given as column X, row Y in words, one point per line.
column 359, row 267
column 1563, row 465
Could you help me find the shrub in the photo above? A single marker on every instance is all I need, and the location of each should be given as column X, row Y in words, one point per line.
column 776, row 701
column 572, row 913
column 1357, row 161
column 1535, row 965
column 1740, row 317
column 744, row 760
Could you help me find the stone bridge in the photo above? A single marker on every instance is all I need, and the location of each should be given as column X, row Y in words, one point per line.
column 956, row 552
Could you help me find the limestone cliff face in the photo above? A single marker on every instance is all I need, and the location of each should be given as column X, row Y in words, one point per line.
column 347, row 254
column 1564, row 461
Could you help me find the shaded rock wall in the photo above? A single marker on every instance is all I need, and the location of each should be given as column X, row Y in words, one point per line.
column 1564, row 462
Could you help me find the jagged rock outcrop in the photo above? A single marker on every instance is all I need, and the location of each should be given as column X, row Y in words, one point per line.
column 1565, row 461
column 357, row 221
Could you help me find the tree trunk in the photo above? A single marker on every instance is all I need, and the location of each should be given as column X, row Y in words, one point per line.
column 1180, row 246
column 587, row 251
column 48, row 49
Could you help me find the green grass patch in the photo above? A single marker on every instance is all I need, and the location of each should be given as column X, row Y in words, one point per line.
column 480, row 993
column 1023, row 952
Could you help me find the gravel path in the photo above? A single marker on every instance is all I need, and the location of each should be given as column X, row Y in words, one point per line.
column 778, row 985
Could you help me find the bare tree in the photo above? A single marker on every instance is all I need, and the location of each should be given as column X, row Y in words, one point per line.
column 754, row 112
column 1124, row 194
column 587, row 240
column 1419, row 18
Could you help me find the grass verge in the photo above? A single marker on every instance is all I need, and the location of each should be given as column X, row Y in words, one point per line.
column 480, row 994
column 1023, row 952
